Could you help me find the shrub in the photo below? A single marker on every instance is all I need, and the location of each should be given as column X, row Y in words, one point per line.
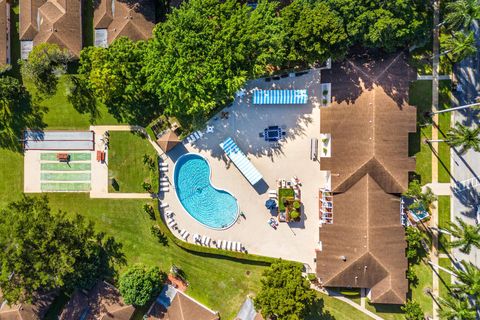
column 294, row 215
column 325, row 92
column 139, row 284
column 414, row 239
column 296, row 204
column 148, row 209
column 324, row 101
column 312, row 277
column 413, row 311
column 147, row 186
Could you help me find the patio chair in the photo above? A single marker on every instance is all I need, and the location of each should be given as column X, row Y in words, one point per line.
column 200, row 134
column 164, row 184
column 219, row 244
column 196, row 237
column 164, row 189
column 169, row 214
column 197, row 136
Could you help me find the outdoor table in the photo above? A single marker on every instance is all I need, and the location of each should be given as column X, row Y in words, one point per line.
column 272, row 133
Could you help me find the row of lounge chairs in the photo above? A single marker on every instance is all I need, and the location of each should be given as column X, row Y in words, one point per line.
column 164, row 184
column 193, row 137
column 198, row 239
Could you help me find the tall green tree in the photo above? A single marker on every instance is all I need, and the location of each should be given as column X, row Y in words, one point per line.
column 42, row 251
column 467, row 279
column 45, row 63
column 205, row 52
column 467, row 235
column 456, row 307
column 114, row 76
column 414, row 238
column 385, row 25
column 461, row 14
column 284, row 293
column 139, row 284
column 312, row 32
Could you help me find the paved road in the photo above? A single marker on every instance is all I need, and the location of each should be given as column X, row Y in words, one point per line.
column 466, row 168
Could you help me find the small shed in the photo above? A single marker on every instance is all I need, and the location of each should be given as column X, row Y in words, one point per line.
column 168, row 140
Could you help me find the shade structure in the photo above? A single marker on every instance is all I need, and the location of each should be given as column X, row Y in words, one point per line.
column 168, row 140
column 241, row 161
column 270, row 204
column 280, row 96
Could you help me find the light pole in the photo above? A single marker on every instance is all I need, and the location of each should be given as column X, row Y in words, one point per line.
column 431, row 113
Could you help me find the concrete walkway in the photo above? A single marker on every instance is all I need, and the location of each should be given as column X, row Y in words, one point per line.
column 439, row 189
column 435, row 70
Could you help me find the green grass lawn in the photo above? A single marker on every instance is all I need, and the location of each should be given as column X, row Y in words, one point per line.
column 212, row 281
column 386, row 311
column 445, row 277
column 443, row 127
column 421, row 97
column 425, row 279
column 328, row 308
column 443, row 219
column 60, row 113
column 126, row 166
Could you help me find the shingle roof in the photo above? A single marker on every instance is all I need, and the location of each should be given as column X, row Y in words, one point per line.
column 27, row 311
column 4, row 27
column 103, row 302
column 132, row 19
column 52, row 21
column 365, row 245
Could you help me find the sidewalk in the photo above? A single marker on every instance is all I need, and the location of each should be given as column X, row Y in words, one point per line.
column 439, row 189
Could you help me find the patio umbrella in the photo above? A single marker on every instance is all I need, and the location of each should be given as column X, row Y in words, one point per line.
column 168, row 140
column 270, row 204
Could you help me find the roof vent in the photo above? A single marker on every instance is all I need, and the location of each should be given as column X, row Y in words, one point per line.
column 344, row 258
column 365, row 268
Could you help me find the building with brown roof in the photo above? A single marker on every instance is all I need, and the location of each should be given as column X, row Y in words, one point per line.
column 103, row 302
column 364, row 246
column 173, row 304
column 4, row 32
column 121, row 18
column 26, row 311
column 52, row 21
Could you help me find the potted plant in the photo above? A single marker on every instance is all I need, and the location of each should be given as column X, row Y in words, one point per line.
column 296, row 204
column 325, row 140
column 325, row 92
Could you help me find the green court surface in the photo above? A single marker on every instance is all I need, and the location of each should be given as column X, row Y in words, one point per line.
column 65, row 176
column 62, row 166
column 52, row 186
column 52, row 156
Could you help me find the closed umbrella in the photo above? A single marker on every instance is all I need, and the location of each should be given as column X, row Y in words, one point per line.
column 270, row 204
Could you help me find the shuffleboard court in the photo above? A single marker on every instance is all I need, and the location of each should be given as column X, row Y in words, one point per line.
column 62, row 166
column 58, row 140
column 58, row 135
column 58, row 145
column 65, row 176
column 52, row 156
column 65, row 187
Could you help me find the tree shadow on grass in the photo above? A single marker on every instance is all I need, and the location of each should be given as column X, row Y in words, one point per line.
column 317, row 311
column 26, row 113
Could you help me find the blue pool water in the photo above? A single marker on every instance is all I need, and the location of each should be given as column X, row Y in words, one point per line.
column 212, row 207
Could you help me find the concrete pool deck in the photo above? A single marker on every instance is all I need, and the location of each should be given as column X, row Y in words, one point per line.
column 294, row 241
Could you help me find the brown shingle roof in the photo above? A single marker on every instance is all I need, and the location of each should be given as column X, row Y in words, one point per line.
column 182, row 307
column 103, row 302
column 365, row 245
column 52, row 21
column 26, row 311
column 168, row 140
column 4, row 30
column 132, row 19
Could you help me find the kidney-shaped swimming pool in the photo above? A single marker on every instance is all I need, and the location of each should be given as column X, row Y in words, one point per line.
column 210, row 206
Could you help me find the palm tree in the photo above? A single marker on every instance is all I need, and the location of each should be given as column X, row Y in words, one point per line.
column 468, row 279
column 466, row 235
column 458, row 45
column 456, row 308
column 462, row 13
column 462, row 136
column 423, row 199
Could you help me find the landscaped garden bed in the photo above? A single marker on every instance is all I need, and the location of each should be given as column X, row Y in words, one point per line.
column 288, row 204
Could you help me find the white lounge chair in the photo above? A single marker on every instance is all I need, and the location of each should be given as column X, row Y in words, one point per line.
column 224, row 245
column 169, row 214
column 272, row 192
column 189, row 139
column 193, row 138
column 164, row 189
column 163, row 169
column 197, row 136
column 163, row 179
column 164, row 205
column 207, row 242
column 163, row 164
column 219, row 244
column 196, row 237
column 238, row 246
column 199, row 133
column 164, row 184
column 229, row 245
column 185, row 235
